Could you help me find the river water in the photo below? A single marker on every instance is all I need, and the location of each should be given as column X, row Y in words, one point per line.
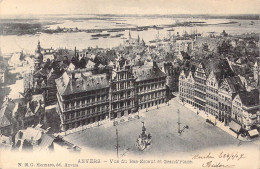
column 14, row 43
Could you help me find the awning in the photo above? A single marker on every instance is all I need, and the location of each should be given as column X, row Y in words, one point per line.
column 234, row 126
column 253, row 133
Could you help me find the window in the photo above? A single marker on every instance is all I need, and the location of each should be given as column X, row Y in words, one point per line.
column 66, row 105
column 128, row 94
column 67, row 117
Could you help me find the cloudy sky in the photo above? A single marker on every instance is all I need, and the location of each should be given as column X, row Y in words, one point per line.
column 24, row 7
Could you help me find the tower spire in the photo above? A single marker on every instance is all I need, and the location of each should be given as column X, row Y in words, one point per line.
column 39, row 46
column 130, row 34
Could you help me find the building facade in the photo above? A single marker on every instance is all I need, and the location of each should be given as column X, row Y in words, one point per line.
column 82, row 101
column 245, row 109
column 212, row 95
column 186, row 87
column 122, row 91
column 92, row 98
column 200, row 87
column 227, row 91
column 150, row 86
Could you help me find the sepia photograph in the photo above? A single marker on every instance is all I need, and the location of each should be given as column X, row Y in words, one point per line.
column 129, row 84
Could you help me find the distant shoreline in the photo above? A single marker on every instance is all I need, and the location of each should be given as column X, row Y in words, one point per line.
column 36, row 28
column 206, row 16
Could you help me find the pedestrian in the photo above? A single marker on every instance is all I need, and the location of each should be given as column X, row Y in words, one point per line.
column 197, row 112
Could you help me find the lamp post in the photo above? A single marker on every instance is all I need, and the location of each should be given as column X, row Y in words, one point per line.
column 116, row 146
column 179, row 123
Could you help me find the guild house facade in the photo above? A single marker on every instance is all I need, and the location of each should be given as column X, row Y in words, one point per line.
column 84, row 99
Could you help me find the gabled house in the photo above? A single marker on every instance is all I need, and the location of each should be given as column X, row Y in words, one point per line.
column 228, row 89
column 245, row 109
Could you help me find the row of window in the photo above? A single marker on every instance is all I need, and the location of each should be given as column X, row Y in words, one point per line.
column 88, row 93
column 87, row 112
column 212, row 90
column 150, row 87
column 211, row 111
column 213, row 97
column 122, row 95
column 200, row 74
column 212, row 104
column 123, row 75
column 84, row 122
column 224, row 98
column 86, row 101
column 121, row 104
column 152, row 96
column 200, row 95
column 237, row 103
column 150, row 104
column 200, row 87
column 122, row 85
column 201, row 103
column 150, row 81
column 211, row 83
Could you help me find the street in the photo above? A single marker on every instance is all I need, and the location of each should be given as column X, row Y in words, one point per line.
column 162, row 124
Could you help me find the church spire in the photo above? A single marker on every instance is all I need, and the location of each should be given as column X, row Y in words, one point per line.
column 39, row 46
column 130, row 34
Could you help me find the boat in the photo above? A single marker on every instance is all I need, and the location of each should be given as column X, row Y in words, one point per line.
column 115, row 30
column 152, row 41
column 144, row 140
column 170, row 30
column 139, row 29
column 159, row 28
column 100, row 35
column 94, row 31
column 117, row 35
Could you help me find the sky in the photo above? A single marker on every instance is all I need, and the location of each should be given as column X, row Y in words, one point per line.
column 36, row 7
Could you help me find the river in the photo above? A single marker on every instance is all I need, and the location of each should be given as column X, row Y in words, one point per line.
column 14, row 43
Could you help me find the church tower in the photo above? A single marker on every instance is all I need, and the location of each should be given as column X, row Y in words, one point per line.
column 256, row 69
column 38, row 57
column 129, row 36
